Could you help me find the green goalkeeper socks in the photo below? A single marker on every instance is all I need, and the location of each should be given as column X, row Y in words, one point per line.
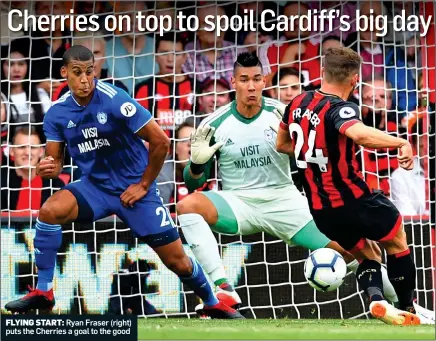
column 221, row 281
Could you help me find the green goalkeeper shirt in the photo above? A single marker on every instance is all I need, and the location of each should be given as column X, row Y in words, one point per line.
column 248, row 158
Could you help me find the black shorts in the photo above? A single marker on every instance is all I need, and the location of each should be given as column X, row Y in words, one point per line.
column 372, row 217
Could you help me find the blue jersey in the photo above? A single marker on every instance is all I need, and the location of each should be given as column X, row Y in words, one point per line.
column 101, row 136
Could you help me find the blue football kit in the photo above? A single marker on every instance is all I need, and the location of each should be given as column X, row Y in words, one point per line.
column 101, row 138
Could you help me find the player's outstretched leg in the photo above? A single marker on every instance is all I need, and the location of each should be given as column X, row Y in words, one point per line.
column 59, row 209
column 372, row 251
column 401, row 269
column 196, row 214
column 191, row 274
column 369, row 277
column 311, row 238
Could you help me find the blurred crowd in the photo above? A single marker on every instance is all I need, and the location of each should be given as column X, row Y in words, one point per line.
column 183, row 77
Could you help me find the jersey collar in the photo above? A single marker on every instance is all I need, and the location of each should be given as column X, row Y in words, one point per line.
column 244, row 119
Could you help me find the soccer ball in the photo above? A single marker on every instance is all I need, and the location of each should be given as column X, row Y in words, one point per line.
column 325, row 269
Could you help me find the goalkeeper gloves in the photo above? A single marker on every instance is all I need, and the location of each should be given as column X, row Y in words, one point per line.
column 201, row 151
column 279, row 111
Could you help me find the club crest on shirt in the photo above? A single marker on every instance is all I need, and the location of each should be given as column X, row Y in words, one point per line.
column 101, row 117
column 269, row 134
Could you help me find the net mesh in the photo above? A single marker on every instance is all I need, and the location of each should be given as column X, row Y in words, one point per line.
column 180, row 84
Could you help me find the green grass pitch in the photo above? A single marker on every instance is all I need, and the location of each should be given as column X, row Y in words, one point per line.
column 183, row 329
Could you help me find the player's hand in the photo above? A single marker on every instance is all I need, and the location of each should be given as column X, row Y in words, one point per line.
column 132, row 194
column 46, row 167
column 201, row 152
column 279, row 111
column 405, row 156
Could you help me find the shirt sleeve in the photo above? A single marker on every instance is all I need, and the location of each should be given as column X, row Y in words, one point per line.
column 51, row 129
column 344, row 116
column 45, row 100
column 130, row 111
column 400, row 195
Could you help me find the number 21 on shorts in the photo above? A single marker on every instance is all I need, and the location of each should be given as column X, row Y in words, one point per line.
column 319, row 157
column 165, row 216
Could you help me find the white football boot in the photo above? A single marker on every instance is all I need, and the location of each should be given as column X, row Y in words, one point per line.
column 227, row 294
column 426, row 316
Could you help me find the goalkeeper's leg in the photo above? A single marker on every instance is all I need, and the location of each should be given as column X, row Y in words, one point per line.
column 197, row 213
column 60, row 208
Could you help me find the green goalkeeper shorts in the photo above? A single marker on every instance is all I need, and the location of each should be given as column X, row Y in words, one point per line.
column 281, row 212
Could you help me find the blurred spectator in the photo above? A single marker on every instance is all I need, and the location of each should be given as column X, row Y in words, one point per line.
column 376, row 103
column 4, row 115
column 170, row 94
column 251, row 40
column 286, row 85
column 330, row 42
column 345, row 8
column 22, row 189
column 367, row 44
column 390, row 10
column 96, row 43
column 294, row 49
column 130, row 55
column 213, row 94
column 88, row 8
column 408, row 188
column 210, row 55
column 7, row 6
column 400, row 72
column 165, row 9
column 47, row 48
column 31, row 102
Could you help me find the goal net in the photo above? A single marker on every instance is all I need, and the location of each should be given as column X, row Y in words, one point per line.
column 396, row 94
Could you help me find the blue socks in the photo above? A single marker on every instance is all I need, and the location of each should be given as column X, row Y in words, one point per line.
column 47, row 241
column 199, row 284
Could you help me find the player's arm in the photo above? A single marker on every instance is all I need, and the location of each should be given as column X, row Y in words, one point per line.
column 140, row 122
column 284, row 141
column 159, row 144
column 51, row 165
column 346, row 121
column 197, row 171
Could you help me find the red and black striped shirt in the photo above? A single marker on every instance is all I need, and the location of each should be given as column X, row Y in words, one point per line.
column 325, row 157
column 170, row 103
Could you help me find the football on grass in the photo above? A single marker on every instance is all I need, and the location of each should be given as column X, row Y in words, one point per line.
column 325, row 269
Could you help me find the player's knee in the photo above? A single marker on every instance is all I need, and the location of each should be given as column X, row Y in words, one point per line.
column 188, row 204
column 51, row 213
column 181, row 266
column 47, row 214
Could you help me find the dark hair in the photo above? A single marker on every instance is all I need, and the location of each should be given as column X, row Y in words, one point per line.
column 340, row 63
column 185, row 124
column 173, row 38
column 247, row 59
column 77, row 52
column 331, row 38
column 21, row 45
column 287, row 71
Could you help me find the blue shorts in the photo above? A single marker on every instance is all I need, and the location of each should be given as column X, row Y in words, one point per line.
column 148, row 219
